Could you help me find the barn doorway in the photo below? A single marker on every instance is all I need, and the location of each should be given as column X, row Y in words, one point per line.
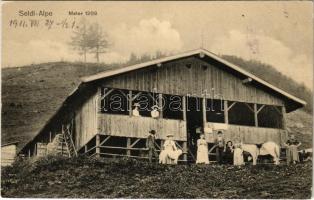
column 194, row 123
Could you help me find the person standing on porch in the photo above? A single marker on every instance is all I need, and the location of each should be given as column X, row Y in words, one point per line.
column 202, row 150
column 150, row 144
column 220, row 147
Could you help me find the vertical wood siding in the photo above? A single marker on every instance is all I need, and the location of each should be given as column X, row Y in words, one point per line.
column 86, row 121
column 250, row 134
column 174, row 78
column 8, row 154
column 138, row 127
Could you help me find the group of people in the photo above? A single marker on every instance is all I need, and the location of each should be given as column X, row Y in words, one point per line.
column 226, row 152
column 169, row 153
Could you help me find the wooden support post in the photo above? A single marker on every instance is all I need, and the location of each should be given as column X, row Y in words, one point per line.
column 284, row 124
column 161, row 144
column 128, row 144
column 29, row 152
column 184, row 107
column 85, row 148
column 204, row 113
column 255, row 115
column 98, row 101
column 226, row 112
column 35, row 149
column 97, row 145
column 283, row 112
column 130, row 103
column 185, row 150
column 160, row 105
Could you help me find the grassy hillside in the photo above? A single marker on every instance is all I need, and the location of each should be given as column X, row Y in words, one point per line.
column 300, row 123
column 92, row 178
column 32, row 94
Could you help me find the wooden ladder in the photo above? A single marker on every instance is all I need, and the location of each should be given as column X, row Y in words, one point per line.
column 67, row 137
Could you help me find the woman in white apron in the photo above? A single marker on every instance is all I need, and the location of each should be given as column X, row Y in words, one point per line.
column 202, row 150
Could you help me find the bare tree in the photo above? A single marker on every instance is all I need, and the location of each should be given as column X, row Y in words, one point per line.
column 98, row 42
column 80, row 39
column 89, row 39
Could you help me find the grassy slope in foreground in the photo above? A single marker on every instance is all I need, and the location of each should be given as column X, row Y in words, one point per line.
column 100, row 178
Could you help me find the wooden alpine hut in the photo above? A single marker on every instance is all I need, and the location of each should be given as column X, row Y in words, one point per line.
column 111, row 113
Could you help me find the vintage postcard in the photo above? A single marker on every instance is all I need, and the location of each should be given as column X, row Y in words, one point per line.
column 157, row 99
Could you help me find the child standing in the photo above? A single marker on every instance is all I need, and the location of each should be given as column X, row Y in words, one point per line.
column 238, row 155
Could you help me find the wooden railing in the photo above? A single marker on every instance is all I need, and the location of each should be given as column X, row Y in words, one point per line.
column 251, row 134
column 138, row 127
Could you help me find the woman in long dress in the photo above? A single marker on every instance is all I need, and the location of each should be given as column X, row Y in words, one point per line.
column 170, row 153
column 238, row 155
column 202, row 150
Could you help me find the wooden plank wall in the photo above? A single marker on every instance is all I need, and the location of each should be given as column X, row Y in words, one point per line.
column 175, row 78
column 86, row 121
column 138, row 127
column 251, row 134
column 8, row 154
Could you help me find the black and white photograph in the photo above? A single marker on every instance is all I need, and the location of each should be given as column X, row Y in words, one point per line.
column 157, row 99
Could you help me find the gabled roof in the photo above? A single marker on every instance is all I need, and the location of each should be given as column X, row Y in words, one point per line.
column 201, row 52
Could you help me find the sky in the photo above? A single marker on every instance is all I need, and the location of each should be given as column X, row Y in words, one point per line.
column 277, row 33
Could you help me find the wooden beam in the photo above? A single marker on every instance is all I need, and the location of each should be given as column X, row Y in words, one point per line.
column 157, row 145
column 284, row 123
column 85, row 148
column 226, row 112
column 255, row 115
column 105, row 140
column 233, row 103
column 211, row 149
column 184, row 107
column 128, row 144
column 97, row 145
column 259, row 110
column 160, row 105
column 185, row 149
column 204, row 113
column 98, row 100
column 278, row 111
column 249, row 107
column 130, row 99
column 135, row 142
column 125, row 148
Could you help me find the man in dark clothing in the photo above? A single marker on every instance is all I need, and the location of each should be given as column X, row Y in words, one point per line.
column 220, row 147
column 150, row 144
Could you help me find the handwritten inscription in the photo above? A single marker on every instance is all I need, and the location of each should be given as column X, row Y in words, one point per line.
column 45, row 19
column 43, row 23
